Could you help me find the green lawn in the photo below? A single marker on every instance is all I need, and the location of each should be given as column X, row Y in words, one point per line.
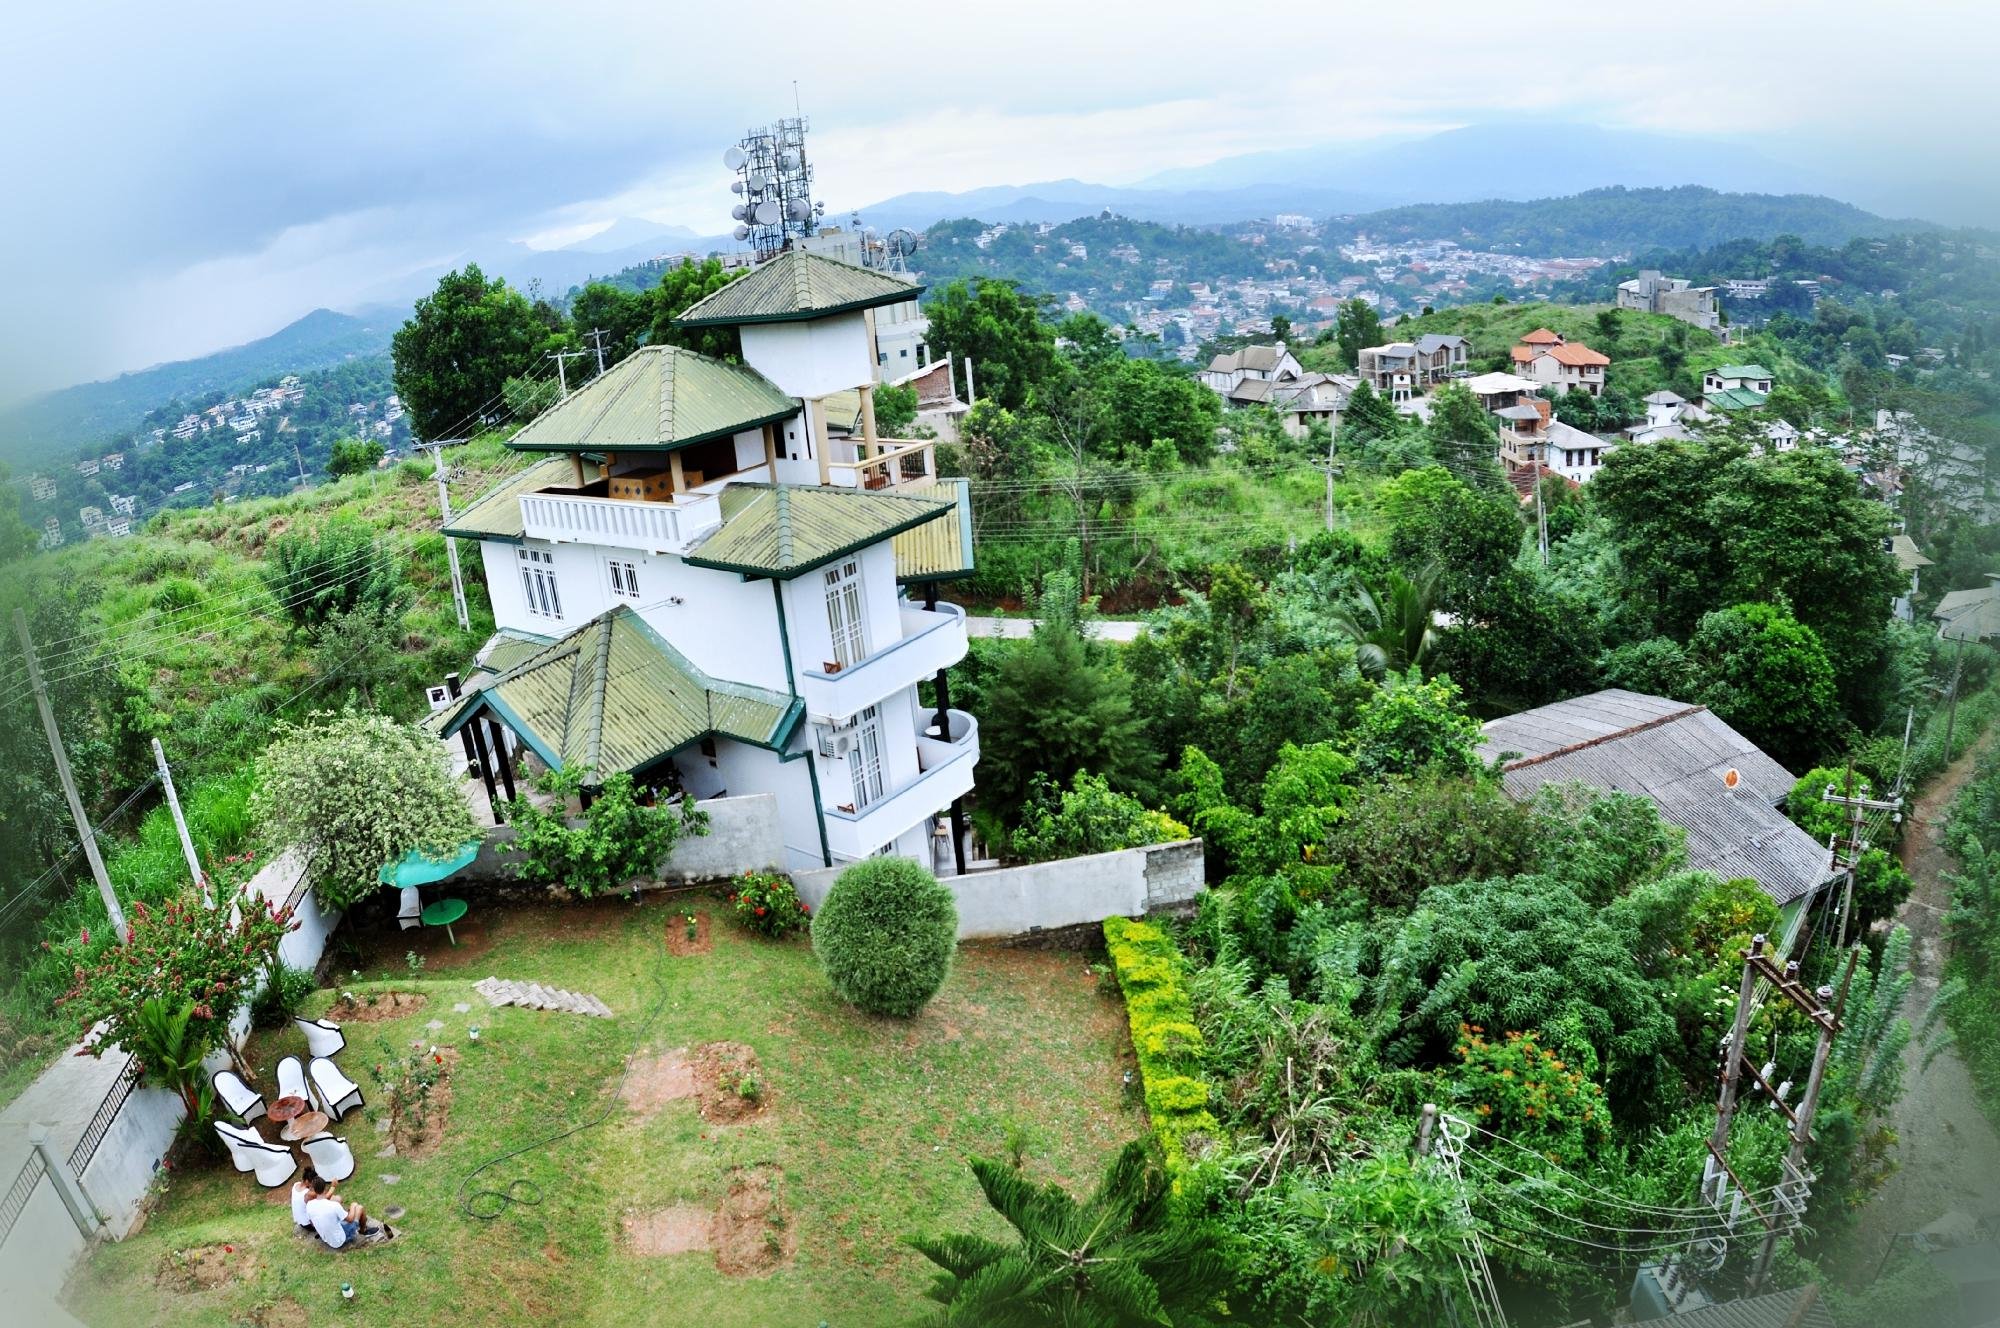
column 866, row 1128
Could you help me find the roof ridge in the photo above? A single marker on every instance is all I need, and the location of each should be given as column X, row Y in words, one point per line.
column 600, row 686
column 671, row 363
column 1602, row 738
column 784, row 524
column 802, row 286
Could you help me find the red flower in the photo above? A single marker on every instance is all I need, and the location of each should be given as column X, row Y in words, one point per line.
column 86, row 936
column 438, row 1059
column 760, row 910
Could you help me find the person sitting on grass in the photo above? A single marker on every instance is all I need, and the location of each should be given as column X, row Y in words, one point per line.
column 302, row 1192
column 336, row 1224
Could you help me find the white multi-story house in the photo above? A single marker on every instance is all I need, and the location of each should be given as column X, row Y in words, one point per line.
column 699, row 584
column 1264, row 364
column 1566, row 366
column 42, row 487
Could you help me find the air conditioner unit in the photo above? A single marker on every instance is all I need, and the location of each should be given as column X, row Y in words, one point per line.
column 836, row 739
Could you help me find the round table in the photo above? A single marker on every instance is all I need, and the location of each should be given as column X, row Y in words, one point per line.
column 442, row 914
column 303, row 1126
column 284, row 1108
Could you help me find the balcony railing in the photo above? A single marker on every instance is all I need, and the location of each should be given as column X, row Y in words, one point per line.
column 669, row 527
column 945, row 774
column 930, row 640
column 899, row 461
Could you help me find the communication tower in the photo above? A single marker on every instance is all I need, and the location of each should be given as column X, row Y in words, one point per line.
column 774, row 205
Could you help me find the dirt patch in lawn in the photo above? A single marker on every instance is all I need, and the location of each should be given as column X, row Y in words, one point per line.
column 654, row 1081
column 678, row 1229
column 204, row 1267
column 376, row 1009
column 680, row 944
column 730, row 1082
column 418, row 1135
column 285, row 1313
column 751, row 1234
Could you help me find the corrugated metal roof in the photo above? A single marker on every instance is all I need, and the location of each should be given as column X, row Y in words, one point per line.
column 613, row 696
column 1733, row 398
column 1906, row 553
column 496, row 514
column 797, row 285
column 1781, row 1309
column 940, row 549
column 784, row 530
column 1970, row 615
column 1676, row 755
column 657, row 399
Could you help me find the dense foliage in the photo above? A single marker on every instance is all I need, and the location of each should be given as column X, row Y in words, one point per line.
column 458, row 349
column 618, row 838
column 885, row 936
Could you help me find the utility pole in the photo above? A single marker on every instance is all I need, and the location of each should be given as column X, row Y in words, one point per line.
column 562, row 376
column 1854, row 849
column 1541, row 518
column 1951, row 706
column 1329, row 482
column 1793, row 1189
column 597, row 343
column 451, row 545
column 63, row 773
column 181, row 825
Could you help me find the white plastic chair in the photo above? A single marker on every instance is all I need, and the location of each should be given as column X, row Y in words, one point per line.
column 337, row 1094
column 292, row 1078
column 323, row 1036
column 243, row 1101
column 330, row 1156
column 410, row 908
column 248, row 1152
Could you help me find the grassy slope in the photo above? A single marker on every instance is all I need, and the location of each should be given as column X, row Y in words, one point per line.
column 870, row 1121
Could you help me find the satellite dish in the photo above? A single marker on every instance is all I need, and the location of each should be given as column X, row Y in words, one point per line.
column 798, row 209
column 767, row 213
column 902, row 241
column 739, row 212
column 789, row 158
column 742, row 232
column 735, row 186
column 733, row 157
column 1731, row 778
column 767, row 182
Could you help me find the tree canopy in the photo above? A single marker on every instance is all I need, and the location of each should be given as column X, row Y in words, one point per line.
column 459, row 347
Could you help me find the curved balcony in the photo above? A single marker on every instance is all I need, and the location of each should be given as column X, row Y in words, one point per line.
column 945, row 773
column 930, row 640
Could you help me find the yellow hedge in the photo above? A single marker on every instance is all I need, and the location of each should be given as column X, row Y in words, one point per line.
column 1163, row 1034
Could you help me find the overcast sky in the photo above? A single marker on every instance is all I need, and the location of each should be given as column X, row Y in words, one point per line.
column 181, row 177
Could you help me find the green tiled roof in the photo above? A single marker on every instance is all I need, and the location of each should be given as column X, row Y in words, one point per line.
column 657, row 399
column 1743, row 371
column 940, row 549
column 509, row 648
column 784, row 530
column 613, row 696
column 497, row 512
column 1734, row 398
column 797, row 285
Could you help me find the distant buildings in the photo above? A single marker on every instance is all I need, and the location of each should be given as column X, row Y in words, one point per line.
column 1401, row 369
column 1272, row 376
column 42, row 487
column 1548, row 360
column 1733, row 387
column 1227, row 373
column 1650, row 292
column 52, row 536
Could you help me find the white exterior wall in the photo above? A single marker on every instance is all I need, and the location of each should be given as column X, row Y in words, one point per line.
column 805, row 609
column 900, row 332
column 35, row 1261
column 813, row 357
column 726, row 626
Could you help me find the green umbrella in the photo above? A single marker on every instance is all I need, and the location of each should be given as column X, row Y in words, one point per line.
column 417, row 868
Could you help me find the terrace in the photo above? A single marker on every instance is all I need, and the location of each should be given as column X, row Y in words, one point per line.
column 691, row 1202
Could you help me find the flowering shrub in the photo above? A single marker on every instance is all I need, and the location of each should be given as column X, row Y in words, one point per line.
column 1518, row 1088
column 766, row 903
column 182, row 957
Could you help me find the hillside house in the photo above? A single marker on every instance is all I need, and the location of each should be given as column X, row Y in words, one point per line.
column 698, row 584
column 1549, row 361
column 42, row 488
column 1532, row 439
column 1314, row 396
column 1738, row 378
column 1676, row 297
column 1391, row 369
column 1497, row 391
column 1910, row 559
column 1227, row 373
column 1681, row 757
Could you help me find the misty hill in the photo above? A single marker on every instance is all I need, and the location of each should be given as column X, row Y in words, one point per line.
column 1621, row 220
column 57, row 423
column 1065, row 200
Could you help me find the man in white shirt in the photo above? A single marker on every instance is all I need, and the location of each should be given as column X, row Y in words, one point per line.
column 337, row 1226
column 301, row 1192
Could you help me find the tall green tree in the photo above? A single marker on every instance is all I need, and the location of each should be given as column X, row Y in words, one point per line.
column 1001, row 329
column 1053, row 708
column 624, row 316
column 680, row 286
column 1355, row 325
column 1127, row 1255
column 1464, row 437
column 459, row 347
column 1766, row 673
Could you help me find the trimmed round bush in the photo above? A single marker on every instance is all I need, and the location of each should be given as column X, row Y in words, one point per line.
column 885, row 936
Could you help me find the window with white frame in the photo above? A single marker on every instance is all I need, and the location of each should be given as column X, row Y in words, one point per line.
column 538, row 583
column 624, row 577
column 844, row 616
column 864, row 763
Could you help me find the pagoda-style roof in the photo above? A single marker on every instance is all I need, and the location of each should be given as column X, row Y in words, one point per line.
column 614, row 697
column 496, row 514
column 657, row 399
column 785, row 530
column 794, row 286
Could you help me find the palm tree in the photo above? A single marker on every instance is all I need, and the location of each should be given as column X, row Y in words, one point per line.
column 1125, row 1256
column 1394, row 630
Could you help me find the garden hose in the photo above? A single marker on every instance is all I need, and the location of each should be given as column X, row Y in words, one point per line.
column 488, row 1204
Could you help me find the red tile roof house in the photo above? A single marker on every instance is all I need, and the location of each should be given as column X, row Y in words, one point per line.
column 1562, row 365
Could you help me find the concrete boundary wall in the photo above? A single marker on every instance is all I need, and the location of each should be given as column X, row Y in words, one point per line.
column 1015, row 901
column 743, row 835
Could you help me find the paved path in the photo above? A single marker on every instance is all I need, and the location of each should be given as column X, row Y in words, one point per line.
column 1018, row 629
column 1948, row 1157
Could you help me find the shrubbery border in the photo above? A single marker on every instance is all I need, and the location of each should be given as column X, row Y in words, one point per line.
column 1151, row 974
